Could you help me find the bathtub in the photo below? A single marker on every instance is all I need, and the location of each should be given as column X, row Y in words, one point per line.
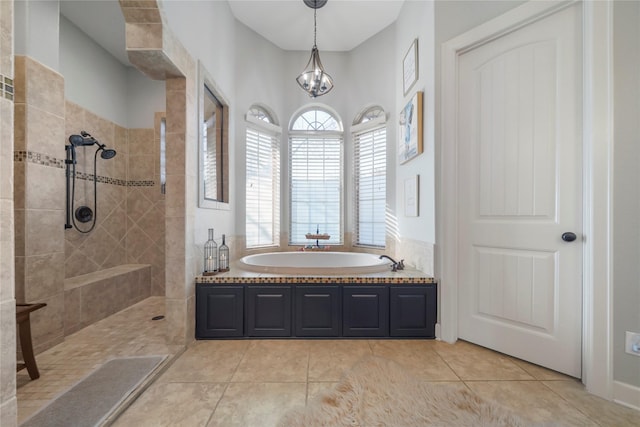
column 316, row 263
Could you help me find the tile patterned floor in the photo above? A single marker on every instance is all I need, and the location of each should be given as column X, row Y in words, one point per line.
column 130, row 332
column 253, row 382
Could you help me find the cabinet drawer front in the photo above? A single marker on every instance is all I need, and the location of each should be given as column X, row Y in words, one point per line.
column 219, row 311
column 412, row 311
column 268, row 311
column 365, row 311
column 318, row 311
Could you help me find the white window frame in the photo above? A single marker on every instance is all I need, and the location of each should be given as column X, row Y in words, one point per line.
column 337, row 135
column 273, row 132
column 357, row 131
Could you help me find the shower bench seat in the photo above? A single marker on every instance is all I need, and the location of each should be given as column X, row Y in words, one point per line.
column 92, row 297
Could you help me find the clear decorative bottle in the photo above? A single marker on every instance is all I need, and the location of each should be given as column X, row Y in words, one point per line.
column 210, row 256
column 223, row 252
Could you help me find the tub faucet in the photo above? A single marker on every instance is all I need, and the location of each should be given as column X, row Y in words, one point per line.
column 396, row 265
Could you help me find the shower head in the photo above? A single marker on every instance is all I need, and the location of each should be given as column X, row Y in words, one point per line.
column 82, row 140
column 107, row 153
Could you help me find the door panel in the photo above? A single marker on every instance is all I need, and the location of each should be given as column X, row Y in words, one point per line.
column 520, row 186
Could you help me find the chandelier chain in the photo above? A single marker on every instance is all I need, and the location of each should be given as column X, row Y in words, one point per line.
column 315, row 26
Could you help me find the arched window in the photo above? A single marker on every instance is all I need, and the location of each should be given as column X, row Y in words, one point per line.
column 262, row 223
column 315, row 176
column 369, row 132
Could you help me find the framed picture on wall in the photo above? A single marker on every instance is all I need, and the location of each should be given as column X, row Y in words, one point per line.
column 411, row 196
column 410, row 129
column 410, row 67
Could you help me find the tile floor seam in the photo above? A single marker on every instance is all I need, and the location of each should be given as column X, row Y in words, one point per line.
column 570, row 404
column 435, row 350
column 306, row 396
column 215, row 408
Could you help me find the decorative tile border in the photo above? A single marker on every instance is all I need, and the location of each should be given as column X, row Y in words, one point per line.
column 360, row 280
column 46, row 160
column 6, row 87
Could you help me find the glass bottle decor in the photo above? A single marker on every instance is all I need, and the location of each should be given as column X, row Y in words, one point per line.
column 223, row 252
column 210, row 256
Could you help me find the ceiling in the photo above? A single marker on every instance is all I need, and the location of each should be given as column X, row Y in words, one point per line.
column 342, row 24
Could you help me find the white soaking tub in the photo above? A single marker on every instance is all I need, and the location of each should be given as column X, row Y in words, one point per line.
column 316, row 263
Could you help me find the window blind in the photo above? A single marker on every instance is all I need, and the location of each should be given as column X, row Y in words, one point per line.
column 262, row 189
column 370, row 179
column 315, row 185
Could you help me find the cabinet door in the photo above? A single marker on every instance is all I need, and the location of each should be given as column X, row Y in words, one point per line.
column 412, row 311
column 268, row 311
column 219, row 311
column 318, row 311
column 365, row 311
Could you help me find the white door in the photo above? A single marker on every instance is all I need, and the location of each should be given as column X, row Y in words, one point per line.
column 520, row 187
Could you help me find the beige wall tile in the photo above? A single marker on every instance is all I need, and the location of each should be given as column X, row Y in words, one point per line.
column 9, row 408
column 19, row 80
column 176, row 161
column 45, row 132
column 45, row 188
column 141, row 141
column 115, row 222
column 175, row 196
column 47, row 324
column 71, row 310
column 6, row 149
column 6, row 41
column 148, row 36
column 7, row 350
column 121, row 139
column 117, row 257
column 19, row 230
column 44, row 276
column 136, row 242
column 19, row 278
column 175, row 285
column 142, row 15
column 74, row 120
column 7, row 252
column 19, row 127
column 139, row 3
column 19, row 173
column 77, row 264
column 176, row 312
column 44, row 233
column 141, row 168
column 44, row 88
column 101, row 129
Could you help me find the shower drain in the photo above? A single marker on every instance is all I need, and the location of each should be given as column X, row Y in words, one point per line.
column 157, row 317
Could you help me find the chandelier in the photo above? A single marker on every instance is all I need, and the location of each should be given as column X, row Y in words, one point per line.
column 314, row 80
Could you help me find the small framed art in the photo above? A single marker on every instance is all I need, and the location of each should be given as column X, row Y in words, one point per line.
column 410, row 67
column 410, row 129
column 411, row 196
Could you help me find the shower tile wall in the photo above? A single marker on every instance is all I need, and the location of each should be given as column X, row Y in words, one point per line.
column 130, row 207
column 8, row 404
column 39, row 196
column 130, row 212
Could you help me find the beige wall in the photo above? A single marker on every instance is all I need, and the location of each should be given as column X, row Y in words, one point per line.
column 8, row 404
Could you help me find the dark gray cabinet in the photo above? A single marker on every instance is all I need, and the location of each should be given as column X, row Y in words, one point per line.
column 268, row 311
column 315, row 310
column 318, row 311
column 412, row 311
column 219, row 311
column 365, row 311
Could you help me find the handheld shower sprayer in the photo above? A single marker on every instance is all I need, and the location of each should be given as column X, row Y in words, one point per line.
column 83, row 213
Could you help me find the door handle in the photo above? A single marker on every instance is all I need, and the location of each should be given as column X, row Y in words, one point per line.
column 569, row 236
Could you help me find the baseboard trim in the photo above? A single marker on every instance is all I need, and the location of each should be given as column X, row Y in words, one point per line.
column 626, row 394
